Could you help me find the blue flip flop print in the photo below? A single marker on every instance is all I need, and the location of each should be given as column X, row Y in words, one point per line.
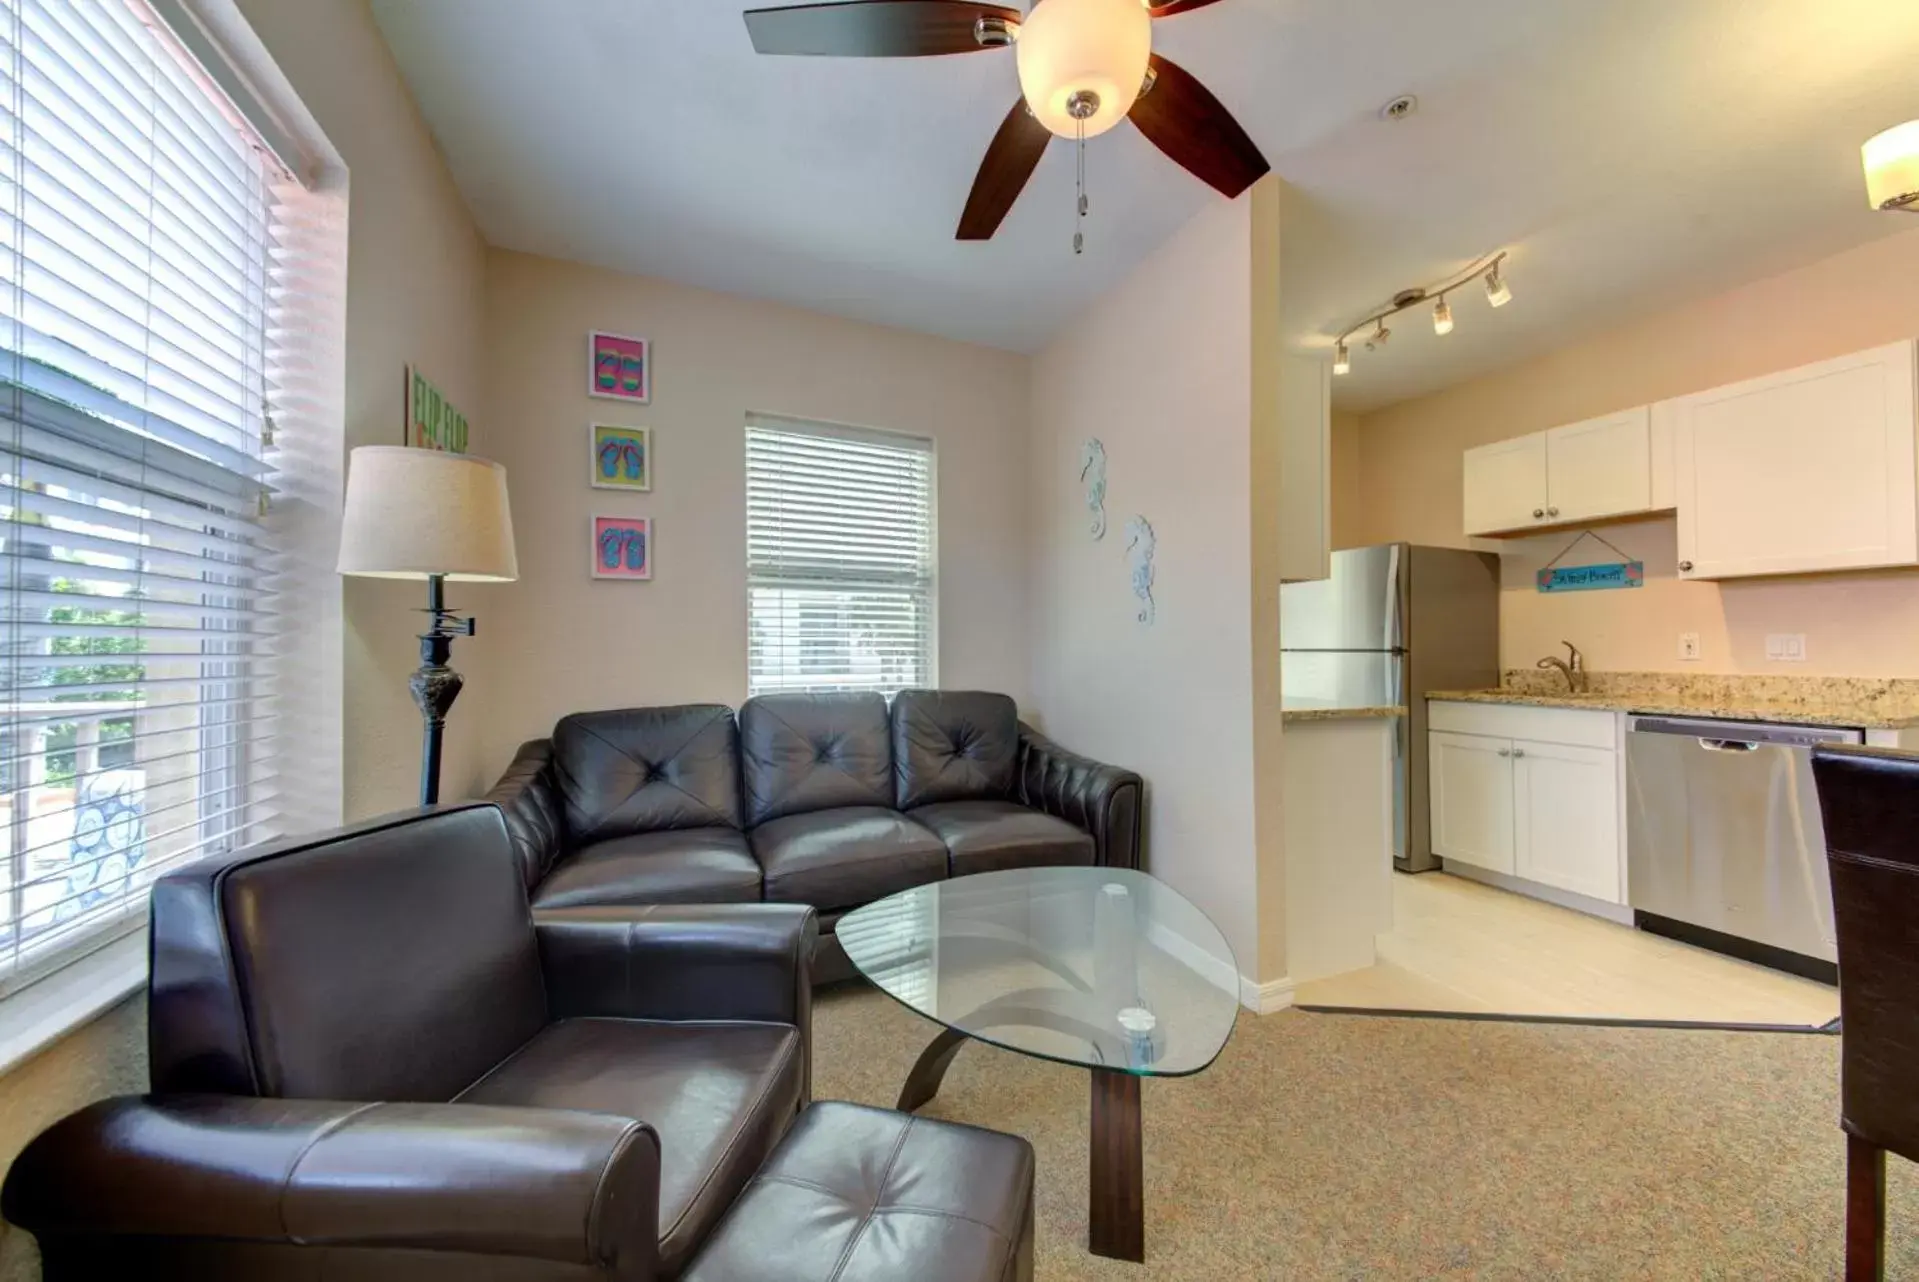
column 610, row 459
column 610, row 541
column 636, row 550
column 635, row 459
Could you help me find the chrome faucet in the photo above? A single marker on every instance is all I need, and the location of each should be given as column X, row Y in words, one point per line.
column 1573, row 669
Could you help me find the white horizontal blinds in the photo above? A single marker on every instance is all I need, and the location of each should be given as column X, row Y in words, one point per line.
column 840, row 558
column 135, row 584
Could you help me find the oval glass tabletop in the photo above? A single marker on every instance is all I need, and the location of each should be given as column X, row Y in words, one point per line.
column 1101, row 967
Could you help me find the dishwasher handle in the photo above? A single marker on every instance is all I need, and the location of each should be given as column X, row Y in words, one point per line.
column 1728, row 745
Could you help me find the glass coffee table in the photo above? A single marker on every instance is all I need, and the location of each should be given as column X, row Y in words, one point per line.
column 1105, row 968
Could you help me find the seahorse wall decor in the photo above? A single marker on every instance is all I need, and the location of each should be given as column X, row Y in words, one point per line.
column 1092, row 474
column 1139, row 555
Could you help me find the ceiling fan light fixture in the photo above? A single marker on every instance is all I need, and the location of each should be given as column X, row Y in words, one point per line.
column 1891, row 160
column 1076, row 53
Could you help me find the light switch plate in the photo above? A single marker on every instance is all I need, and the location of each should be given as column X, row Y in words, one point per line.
column 1689, row 645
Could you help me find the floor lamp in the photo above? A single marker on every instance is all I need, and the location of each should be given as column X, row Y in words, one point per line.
column 426, row 514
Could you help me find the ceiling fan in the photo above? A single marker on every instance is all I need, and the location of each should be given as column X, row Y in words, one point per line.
column 1084, row 65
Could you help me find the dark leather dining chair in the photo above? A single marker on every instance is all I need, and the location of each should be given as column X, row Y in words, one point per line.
column 371, row 1059
column 1869, row 798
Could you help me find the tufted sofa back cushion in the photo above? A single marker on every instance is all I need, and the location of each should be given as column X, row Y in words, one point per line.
column 953, row 745
column 804, row 752
column 644, row 769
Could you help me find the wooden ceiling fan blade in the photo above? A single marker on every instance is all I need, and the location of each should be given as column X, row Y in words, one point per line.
column 1173, row 8
column 874, row 28
column 1185, row 121
column 1010, row 161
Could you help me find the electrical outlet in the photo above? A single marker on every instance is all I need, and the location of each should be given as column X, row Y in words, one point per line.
column 1786, row 647
column 1689, row 646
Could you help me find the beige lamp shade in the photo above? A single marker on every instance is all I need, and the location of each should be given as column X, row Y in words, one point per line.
column 1095, row 47
column 1891, row 161
column 414, row 513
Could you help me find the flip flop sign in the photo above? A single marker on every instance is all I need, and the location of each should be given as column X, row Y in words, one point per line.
column 619, row 368
column 622, row 547
column 622, row 457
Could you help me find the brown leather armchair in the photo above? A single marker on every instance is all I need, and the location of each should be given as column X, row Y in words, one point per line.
column 371, row 1059
column 1869, row 800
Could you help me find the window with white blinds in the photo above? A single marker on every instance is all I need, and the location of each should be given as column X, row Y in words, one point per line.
column 136, row 272
column 839, row 558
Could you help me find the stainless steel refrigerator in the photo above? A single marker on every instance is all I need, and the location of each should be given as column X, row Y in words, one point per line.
column 1391, row 623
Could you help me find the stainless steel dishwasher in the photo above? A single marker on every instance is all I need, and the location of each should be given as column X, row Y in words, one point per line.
column 1723, row 840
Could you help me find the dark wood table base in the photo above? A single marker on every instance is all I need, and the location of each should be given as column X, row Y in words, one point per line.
column 1116, row 1203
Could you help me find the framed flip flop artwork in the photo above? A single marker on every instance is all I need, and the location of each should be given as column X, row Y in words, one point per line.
column 622, row 457
column 622, row 547
column 619, row 368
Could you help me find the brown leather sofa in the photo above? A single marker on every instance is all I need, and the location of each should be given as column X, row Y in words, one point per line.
column 829, row 800
column 369, row 1059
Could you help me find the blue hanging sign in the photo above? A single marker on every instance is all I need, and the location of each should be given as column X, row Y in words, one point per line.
column 1593, row 578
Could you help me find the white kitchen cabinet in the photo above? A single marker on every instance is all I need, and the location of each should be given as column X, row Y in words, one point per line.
column 1506, row 485
column 1566, row 818
column 1306, row 468
column 1585, row 471
column 1472, row 800
column 1811, row 469
column 1529, row 792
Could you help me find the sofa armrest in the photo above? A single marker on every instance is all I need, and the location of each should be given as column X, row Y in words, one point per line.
column 529, row 797
column 534, row 1183
column 1104, row 800
column 682, row 961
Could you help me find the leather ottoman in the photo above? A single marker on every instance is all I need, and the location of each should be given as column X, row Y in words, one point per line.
column 858, row 1194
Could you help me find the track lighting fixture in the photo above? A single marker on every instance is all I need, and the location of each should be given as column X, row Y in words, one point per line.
column 1486, row 269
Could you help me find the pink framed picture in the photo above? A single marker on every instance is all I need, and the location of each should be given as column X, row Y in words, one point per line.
column 622, row 547
column 619, row 368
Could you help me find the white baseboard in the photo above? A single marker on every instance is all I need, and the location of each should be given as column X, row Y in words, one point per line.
column 1536, row 890
column 1264, row 999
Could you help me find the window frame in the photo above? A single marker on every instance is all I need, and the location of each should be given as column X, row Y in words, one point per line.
column 926, row 445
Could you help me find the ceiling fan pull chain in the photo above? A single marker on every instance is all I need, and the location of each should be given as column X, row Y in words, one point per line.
column 1079, row 224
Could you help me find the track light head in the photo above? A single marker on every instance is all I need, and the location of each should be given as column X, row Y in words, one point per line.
column 1442, row 317
column 1496, row 292
column 1342, row 360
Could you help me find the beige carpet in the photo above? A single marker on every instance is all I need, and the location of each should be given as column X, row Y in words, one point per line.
column 1353, row 1146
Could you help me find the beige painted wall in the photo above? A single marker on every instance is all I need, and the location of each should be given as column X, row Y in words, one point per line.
column 562, row 641
column 1856, row 625
column 415, row 269
column 1348, row 522
column 1172, row 700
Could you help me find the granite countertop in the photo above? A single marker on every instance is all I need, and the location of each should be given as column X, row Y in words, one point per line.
column 1872, row 703
column 1327, row 713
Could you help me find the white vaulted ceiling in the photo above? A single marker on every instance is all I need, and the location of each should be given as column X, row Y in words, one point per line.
column 1630, row 154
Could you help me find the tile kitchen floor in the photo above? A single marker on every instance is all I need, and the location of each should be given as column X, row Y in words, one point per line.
column 1457, row 945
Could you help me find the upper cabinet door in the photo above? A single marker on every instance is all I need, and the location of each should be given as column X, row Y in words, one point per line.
column 1601, row 467
column 1506, row 485
column 1808, row 470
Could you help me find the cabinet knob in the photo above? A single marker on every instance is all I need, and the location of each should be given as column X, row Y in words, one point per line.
column 1685, row 565
column 1538, row 512
column 1505, row 752
column 1552, row 511
column 1519, row 752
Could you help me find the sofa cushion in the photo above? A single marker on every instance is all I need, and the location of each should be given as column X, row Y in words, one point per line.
column 720, row 1095
column 805, row 752
column 953, row 745
column 642, row 769
column 674, row 866
column 985, row 836
column 841, row 858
